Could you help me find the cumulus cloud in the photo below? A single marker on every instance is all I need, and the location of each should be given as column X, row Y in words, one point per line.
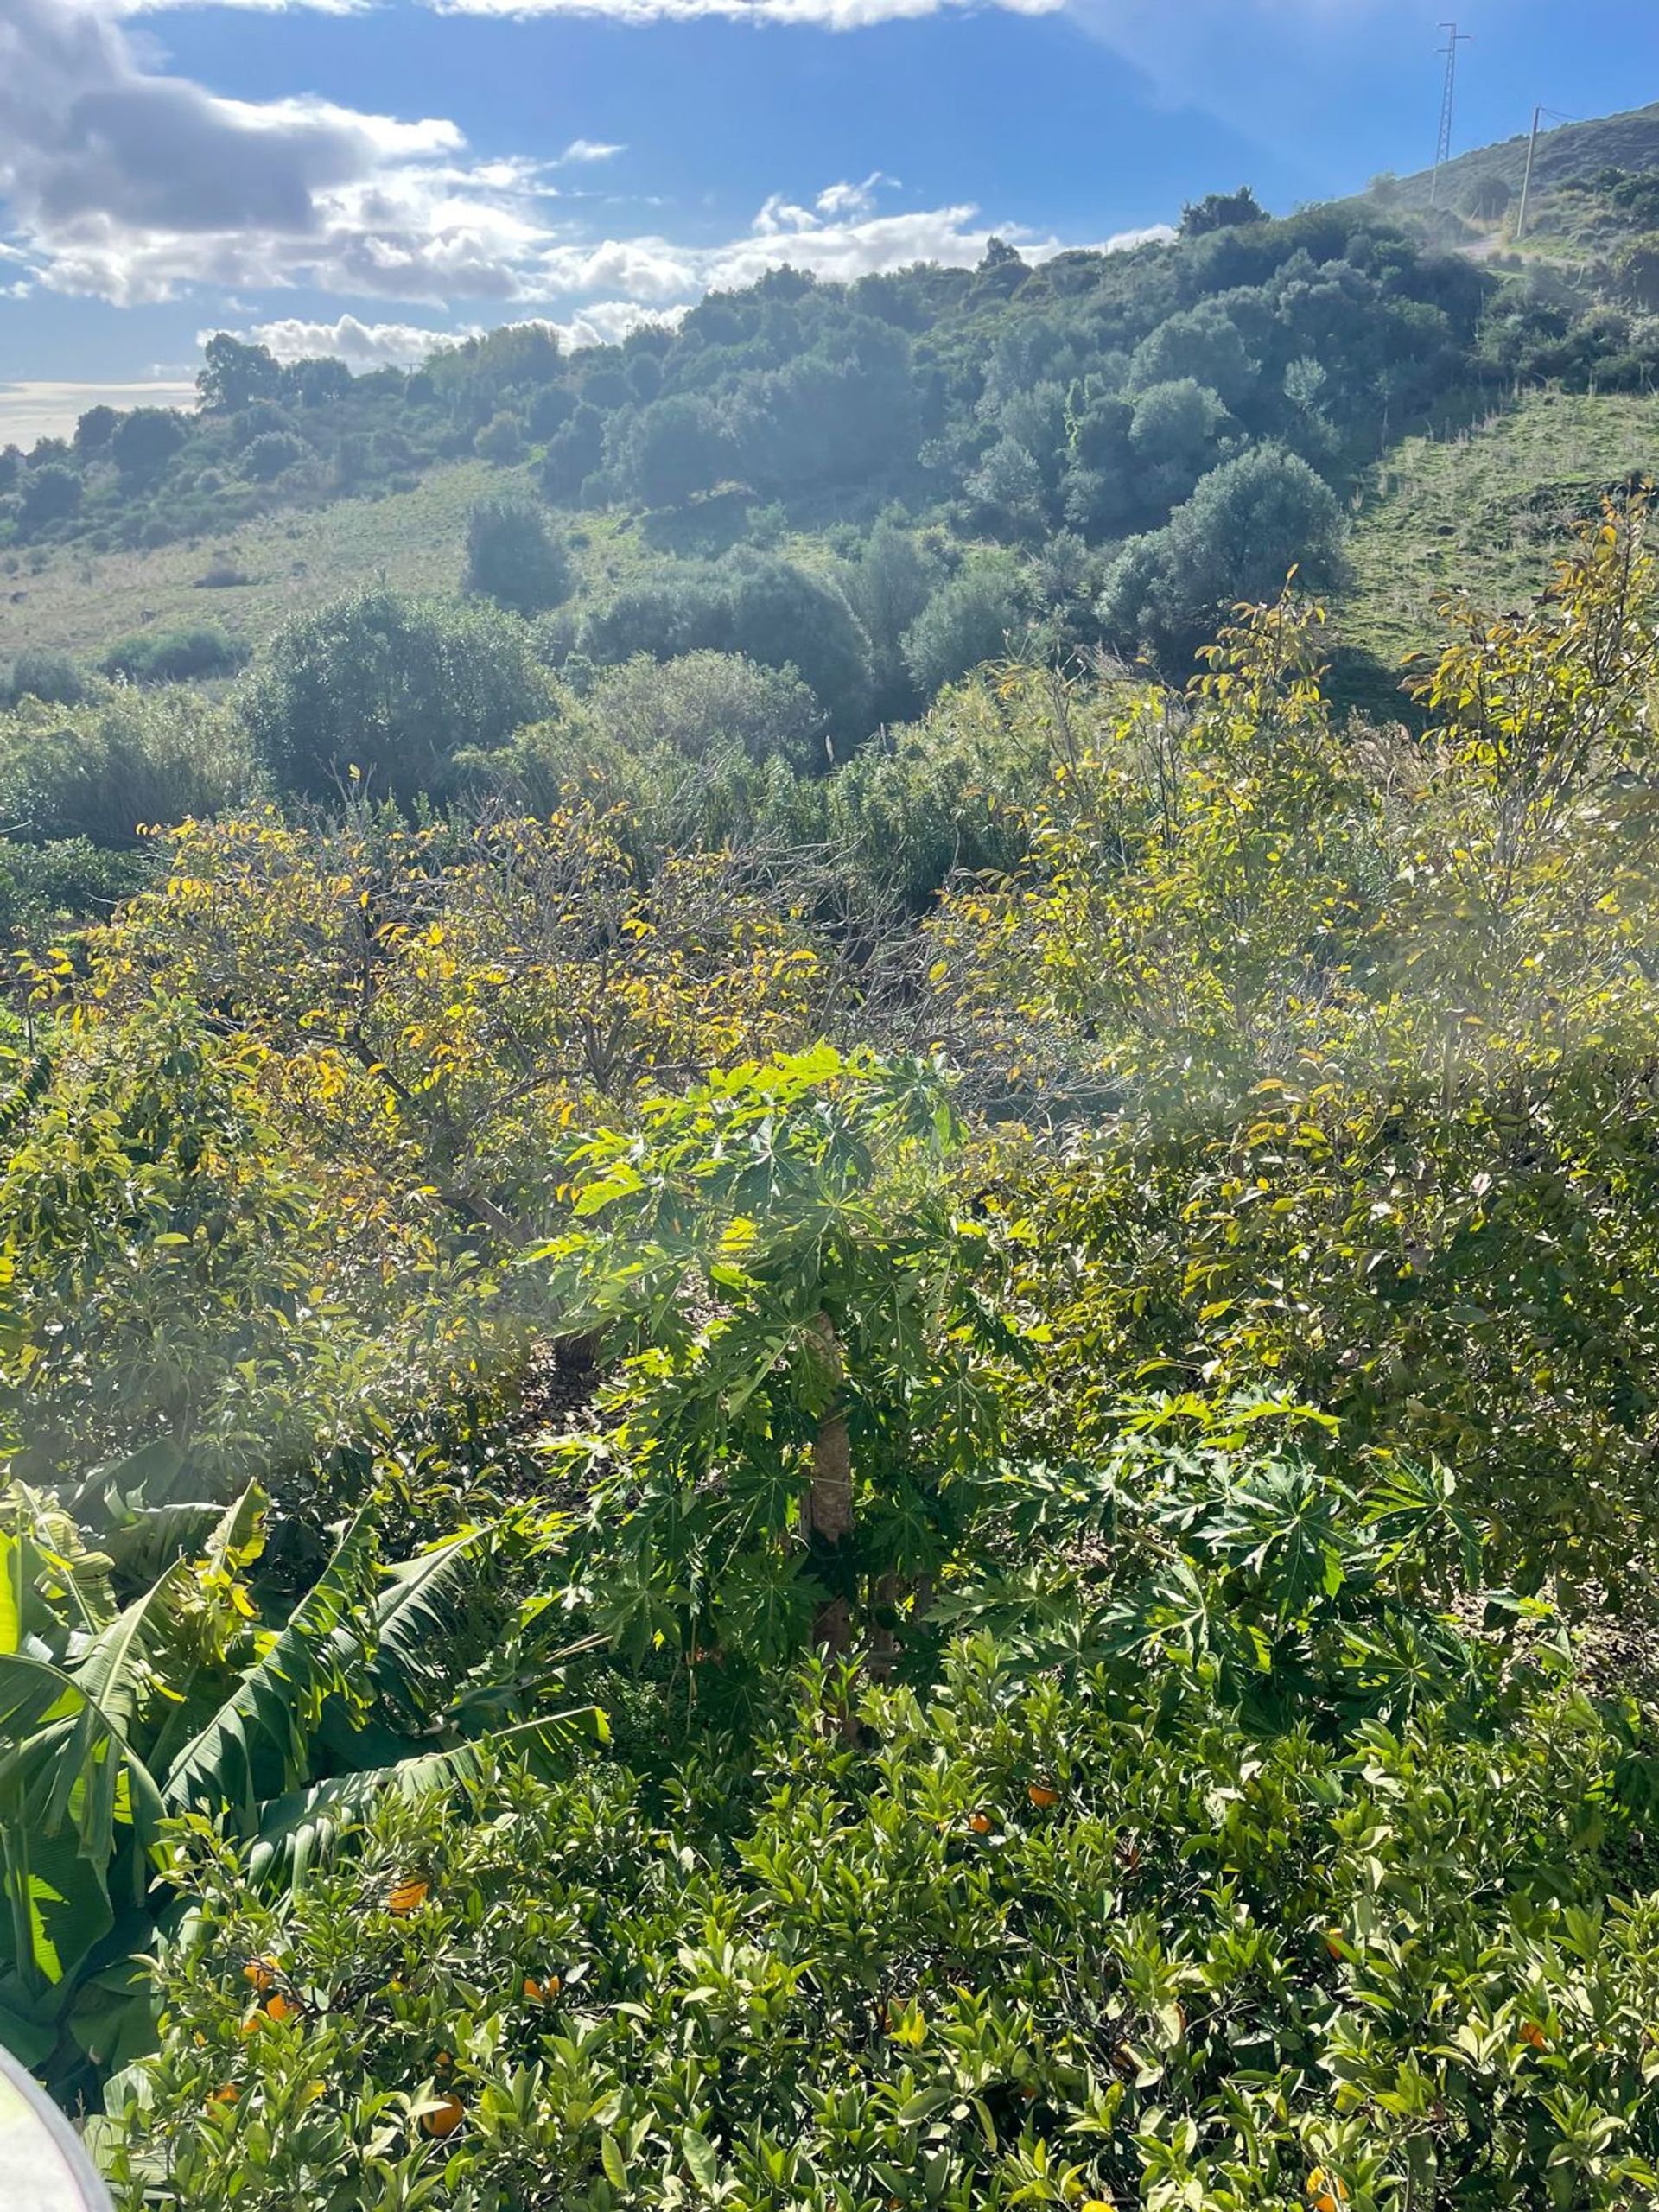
column 406, row 344
column 131, row 185
column 359, row 344
column 820, row 15
column 123, row 183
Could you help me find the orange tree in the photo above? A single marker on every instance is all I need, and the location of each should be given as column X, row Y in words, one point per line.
column 1379, row 1037
column 435, row 1002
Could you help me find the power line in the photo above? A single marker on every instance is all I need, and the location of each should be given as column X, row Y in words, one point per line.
column 1454, row 38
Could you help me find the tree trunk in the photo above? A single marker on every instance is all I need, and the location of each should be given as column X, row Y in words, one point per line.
column 828, row 1514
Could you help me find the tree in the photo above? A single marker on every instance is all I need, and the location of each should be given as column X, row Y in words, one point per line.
column 1488, row 199
column 94, row 429
column 573, row 452
column 147, row 440
column 392, row 687
column 501, row 439
column 1247, row 524
column 50, row 494
column 234, row 374
column 677, row 448
column 271, row 455
column 514, row 556
column 1221, row 211
column 705, row 702
column 1173, row 436
column 970, row 619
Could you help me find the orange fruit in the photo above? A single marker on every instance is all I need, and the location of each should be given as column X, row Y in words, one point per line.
column 1095, row 2204
column 408, row 1895
column 226, row 2094
column 260, row 1972
column 445, row 2116
column 980, row 1823
column 1043, row 1794
column 1328, row 2192
column 279, row 2007
column 1334, row 1943
column 1532, row 2033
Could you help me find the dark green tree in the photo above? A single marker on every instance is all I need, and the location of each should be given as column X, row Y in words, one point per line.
column 515, row 558
column 392, row 687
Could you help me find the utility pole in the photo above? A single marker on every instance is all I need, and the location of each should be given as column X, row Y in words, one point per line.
column 1454, row 38
column 1526, row 182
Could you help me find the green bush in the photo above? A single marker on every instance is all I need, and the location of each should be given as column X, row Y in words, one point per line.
column 393, row 688
column 1070, row 1925
column 128, row 761
column 51, row 676
column 514, row 556
column 175, row 656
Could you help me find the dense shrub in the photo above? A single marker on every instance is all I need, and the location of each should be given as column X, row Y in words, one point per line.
column 705, row 702
column 52, row 677
column 515, row 557
column 391, row 687
column 175, row 656
column 127, row 762
column 1068, row 1924
column 973, row 618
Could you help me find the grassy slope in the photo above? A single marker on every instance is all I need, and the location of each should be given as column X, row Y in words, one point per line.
column 1629, row 141
column 301, row 558
column 294, row 560
column 1484, row 512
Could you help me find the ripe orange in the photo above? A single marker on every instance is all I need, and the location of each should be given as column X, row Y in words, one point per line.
column 279, row 2007
column 1333, row 1942
column 445, row 2116
column 542, row 1992
column 260, row 1972
column 226, row 2094
column 1532, row 2033
column 408, row 1895
column 980, row 1823
column 1328, row 2192
column 1043, row 1794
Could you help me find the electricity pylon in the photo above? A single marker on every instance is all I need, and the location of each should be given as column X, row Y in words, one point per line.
column 1454, row 38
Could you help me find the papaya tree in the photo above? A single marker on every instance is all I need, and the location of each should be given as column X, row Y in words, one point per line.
column 802, row 1407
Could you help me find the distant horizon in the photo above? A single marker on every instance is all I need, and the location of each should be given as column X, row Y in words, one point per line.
column 367, row 178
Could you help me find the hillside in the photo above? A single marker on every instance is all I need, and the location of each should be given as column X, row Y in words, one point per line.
column 1567, row 153
column 1484, row 510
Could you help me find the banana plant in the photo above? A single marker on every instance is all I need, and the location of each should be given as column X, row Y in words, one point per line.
column 181, row 1703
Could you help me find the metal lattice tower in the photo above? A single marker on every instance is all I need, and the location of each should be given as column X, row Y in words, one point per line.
column 1454, row 38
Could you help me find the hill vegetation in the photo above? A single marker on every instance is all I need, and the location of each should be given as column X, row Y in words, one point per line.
column 827, row 1346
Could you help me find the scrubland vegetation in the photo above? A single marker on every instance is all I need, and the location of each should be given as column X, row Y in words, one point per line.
column 742, row 1479
column 828, row 1356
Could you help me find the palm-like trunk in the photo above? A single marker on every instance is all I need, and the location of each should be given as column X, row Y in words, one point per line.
column 828, row 1506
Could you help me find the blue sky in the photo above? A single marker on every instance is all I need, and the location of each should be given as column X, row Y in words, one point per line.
column 351, row 175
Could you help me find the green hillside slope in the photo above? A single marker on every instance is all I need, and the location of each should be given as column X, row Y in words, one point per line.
column 1485, row 511
column 1571, row 151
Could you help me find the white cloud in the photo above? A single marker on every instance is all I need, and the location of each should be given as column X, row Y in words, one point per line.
column 128, row 185
column 821, row 14
column 404, row 345
column 123, row 184
column 359, row 344
column 38, row 409
column 591, row 149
